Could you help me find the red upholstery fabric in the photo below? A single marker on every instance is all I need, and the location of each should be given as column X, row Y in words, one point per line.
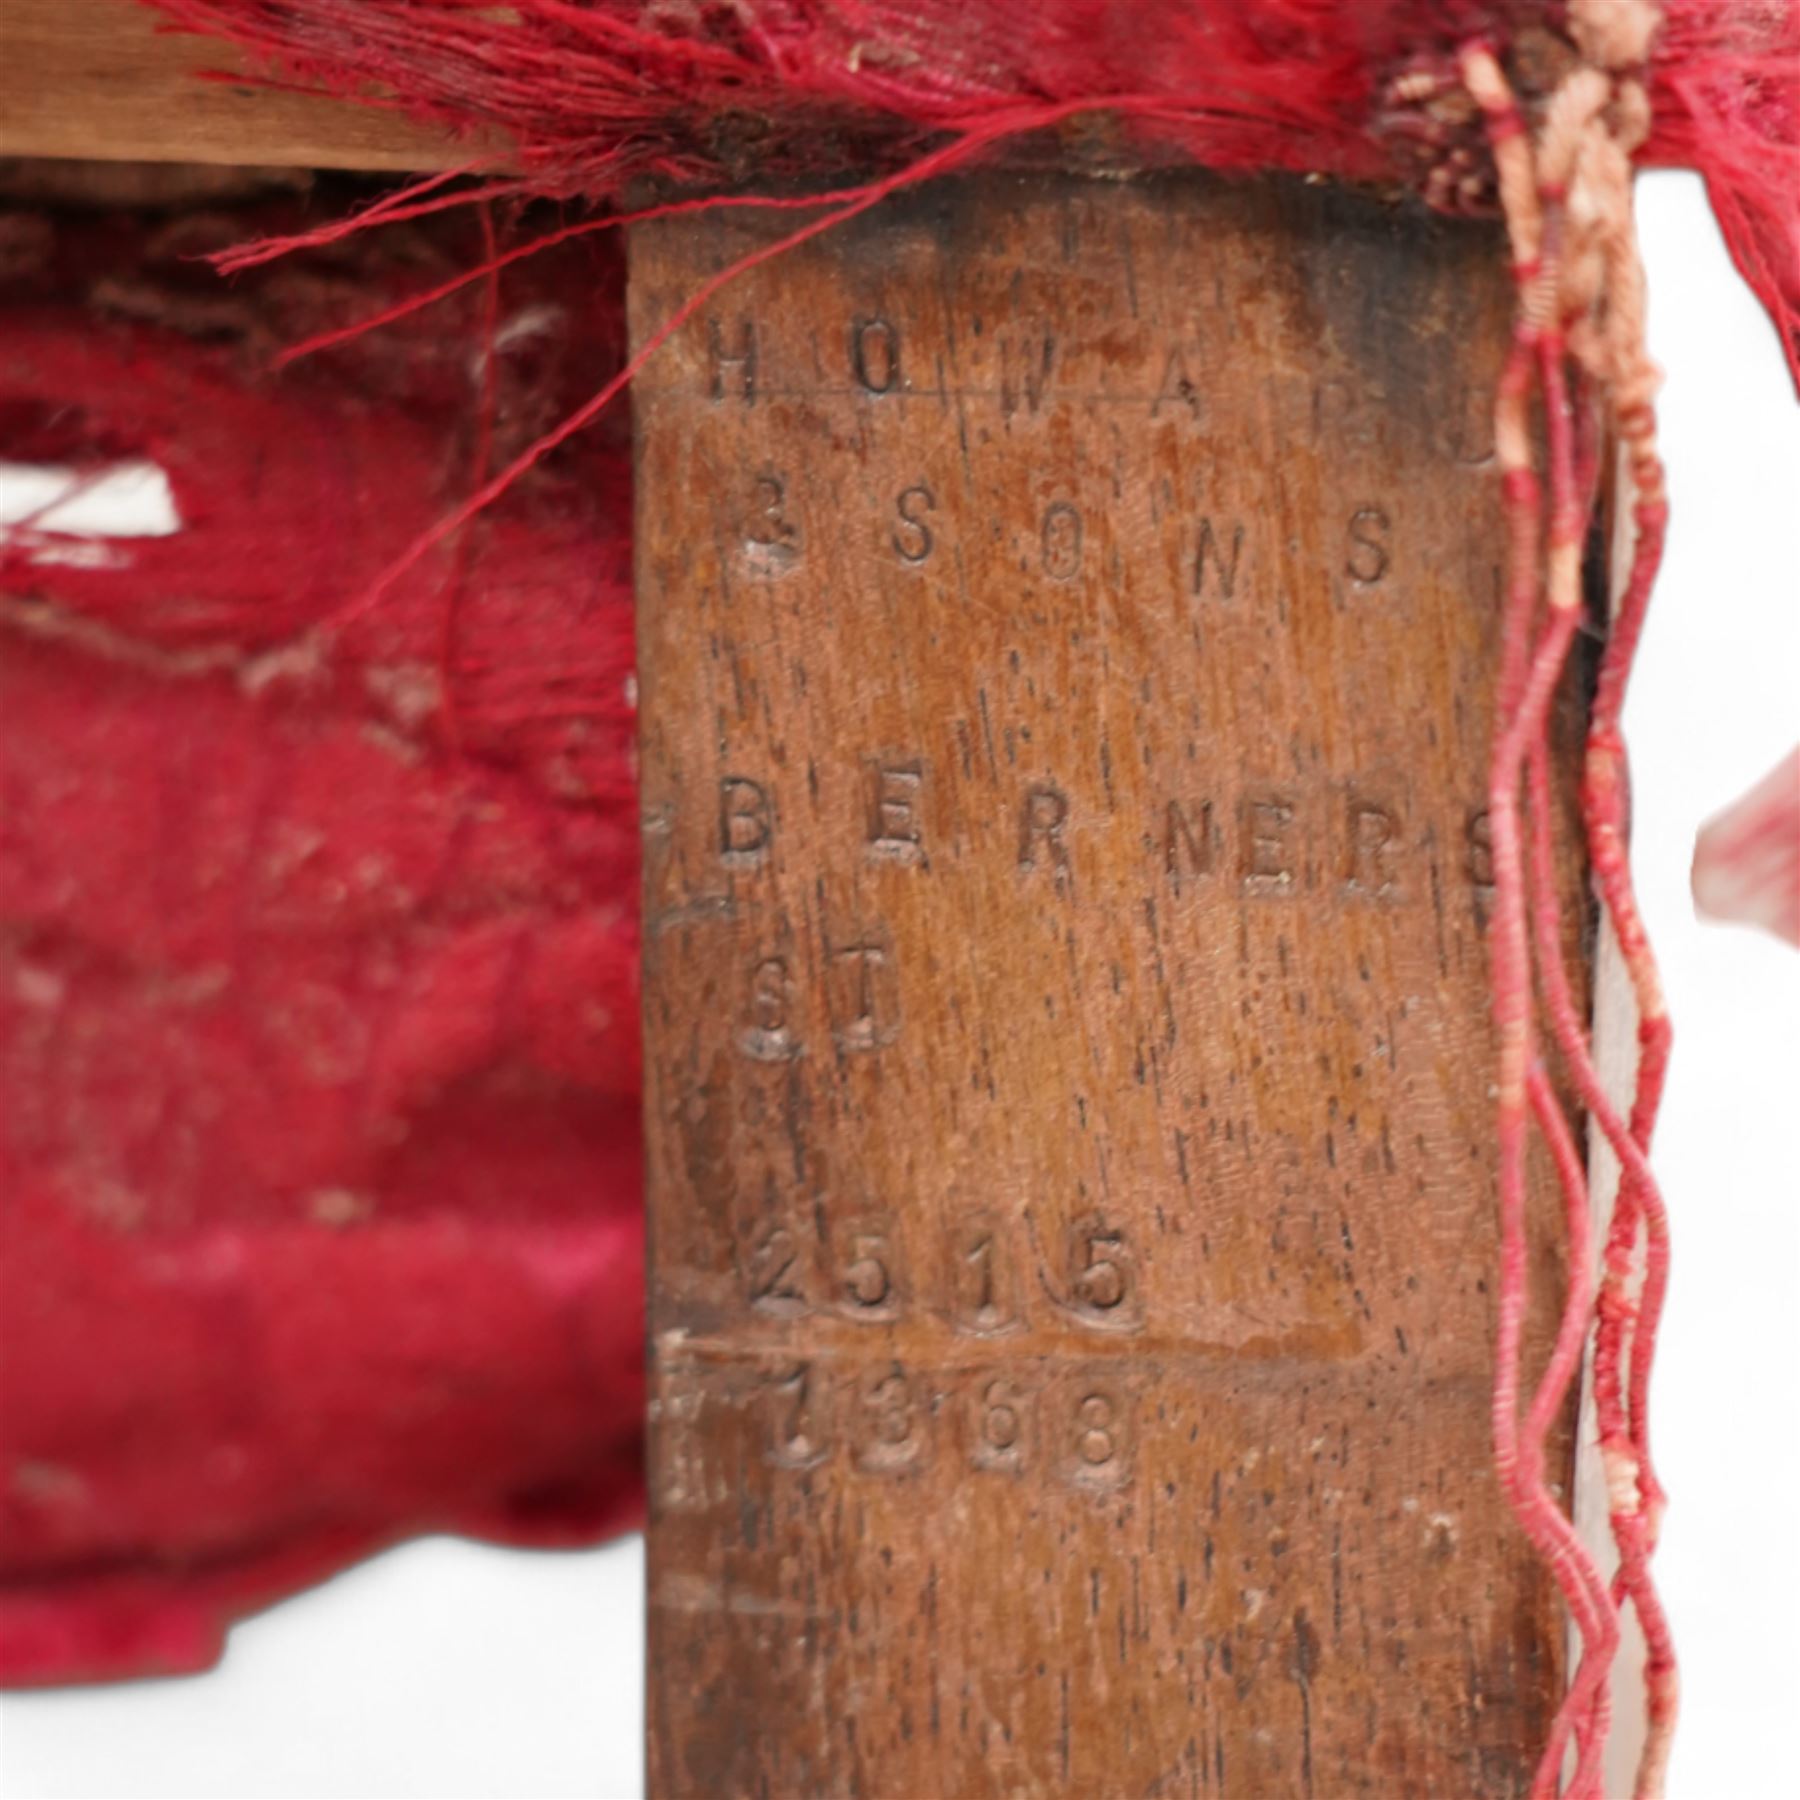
column 319, row 1164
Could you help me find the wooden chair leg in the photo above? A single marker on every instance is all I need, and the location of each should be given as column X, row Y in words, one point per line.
column 1067, row 624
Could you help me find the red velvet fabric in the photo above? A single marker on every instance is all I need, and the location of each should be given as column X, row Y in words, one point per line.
column 319, row 1163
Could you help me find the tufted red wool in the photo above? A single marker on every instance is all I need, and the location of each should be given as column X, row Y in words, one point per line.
column 319, row 1164
column 721, row 95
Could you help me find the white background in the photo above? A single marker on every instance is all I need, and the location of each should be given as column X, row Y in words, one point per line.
column 446, row 1669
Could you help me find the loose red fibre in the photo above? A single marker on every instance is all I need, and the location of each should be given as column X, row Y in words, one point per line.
column 598, row 98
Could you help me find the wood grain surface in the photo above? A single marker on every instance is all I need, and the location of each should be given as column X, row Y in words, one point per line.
column 101, row 79
column 1066, row 620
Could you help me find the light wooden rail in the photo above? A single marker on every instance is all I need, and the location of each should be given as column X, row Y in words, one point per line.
column 104, row 79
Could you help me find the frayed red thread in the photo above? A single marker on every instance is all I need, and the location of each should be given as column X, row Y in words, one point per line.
column 854, row 201
column 769, row 92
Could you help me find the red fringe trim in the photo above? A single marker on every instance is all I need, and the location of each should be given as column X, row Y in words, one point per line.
column 766, row 93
